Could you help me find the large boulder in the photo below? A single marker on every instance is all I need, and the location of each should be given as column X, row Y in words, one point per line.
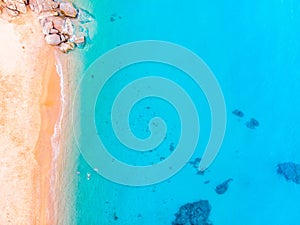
column 53, row 39
column 68, row 9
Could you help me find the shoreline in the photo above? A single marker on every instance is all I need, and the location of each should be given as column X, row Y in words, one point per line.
column 50, row 114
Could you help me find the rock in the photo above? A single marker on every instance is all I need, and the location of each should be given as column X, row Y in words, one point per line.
column 54, row 31
column 195, row 213
column 84, row 16
column 45, row 15
column 43, row 5
column 46, row 5
column 66, row 47
column 223, row 187
column 68, row 27
column 68, row 9
column 64, row 38
column 53, row 39
column 16, row 5
column 195, row 163
column 47, row 26
column 238, row 113
column 11, row 12
column 79, row 39
column 58, row 23
column 10, row 4
column 252, row 123
column 290, row 171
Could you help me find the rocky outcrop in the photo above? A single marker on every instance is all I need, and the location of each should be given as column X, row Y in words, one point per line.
column 57, row 19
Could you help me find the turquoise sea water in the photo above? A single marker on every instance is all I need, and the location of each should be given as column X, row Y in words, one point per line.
column 253, row 48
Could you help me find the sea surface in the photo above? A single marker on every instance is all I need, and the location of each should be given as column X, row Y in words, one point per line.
column 253, row 49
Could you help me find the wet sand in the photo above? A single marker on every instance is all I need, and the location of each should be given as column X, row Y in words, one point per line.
column 29, row 109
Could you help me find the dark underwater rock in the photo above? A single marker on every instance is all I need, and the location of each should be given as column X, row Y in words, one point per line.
column 252, row 124
column 195, row 213
column 223, row 187
column 290, row 171
column 238, row 113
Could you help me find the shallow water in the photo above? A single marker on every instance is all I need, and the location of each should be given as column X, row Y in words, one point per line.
column 253, row 50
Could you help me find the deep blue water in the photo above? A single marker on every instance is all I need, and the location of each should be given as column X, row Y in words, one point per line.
column 253, row 49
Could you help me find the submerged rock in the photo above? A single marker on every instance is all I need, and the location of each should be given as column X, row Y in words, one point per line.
column 53, row 39
column 223, row 187
column 195, row 213
column 66, row 47
column 238, row 113
column 252, row 124
column 79, row 39
column 84, row 16
column 68, row 9
column 290, row 171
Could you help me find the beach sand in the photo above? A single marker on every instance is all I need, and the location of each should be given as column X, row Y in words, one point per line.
column 29, row 109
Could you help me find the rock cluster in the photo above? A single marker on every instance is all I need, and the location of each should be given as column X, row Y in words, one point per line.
column 195, row 213
column 290, row 171
column 57, row 19
column 14, row 7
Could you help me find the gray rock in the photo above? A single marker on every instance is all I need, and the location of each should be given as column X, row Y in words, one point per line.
column 39, row 6
column 68, row 27
column 53, row 39
column 66, row 47
column 58, row 23
column 54, row 31
column 79, row 38
column 47, row 26
column 68, row 9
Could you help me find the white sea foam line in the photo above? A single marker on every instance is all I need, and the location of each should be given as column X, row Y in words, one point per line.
column 57, row 131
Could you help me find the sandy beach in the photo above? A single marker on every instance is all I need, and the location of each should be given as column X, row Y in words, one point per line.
column 29, row 109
